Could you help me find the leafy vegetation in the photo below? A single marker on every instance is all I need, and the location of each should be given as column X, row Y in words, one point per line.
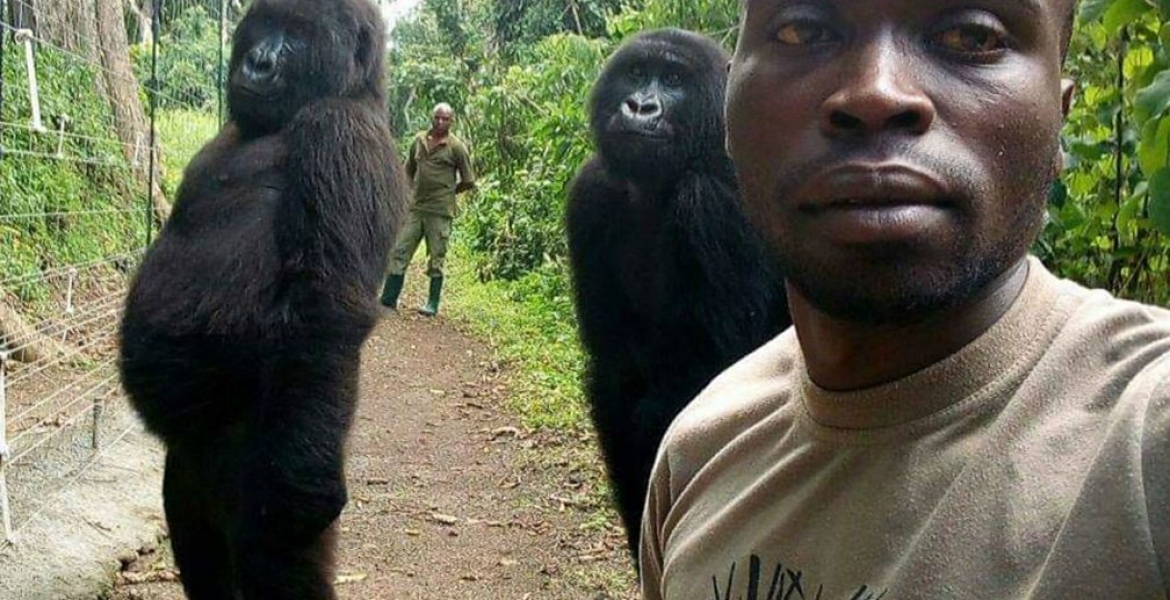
column 64, row 199
column 1110, row 212
column 187, row 62
column 182, row 132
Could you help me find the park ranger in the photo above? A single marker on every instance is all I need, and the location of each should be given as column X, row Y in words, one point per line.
column 439, row 167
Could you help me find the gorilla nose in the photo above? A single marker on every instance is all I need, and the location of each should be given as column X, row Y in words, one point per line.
column 260, row 63
column 642, row 108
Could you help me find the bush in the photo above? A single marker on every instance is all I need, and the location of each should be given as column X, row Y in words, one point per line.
column 188, row 62
column 533, row 135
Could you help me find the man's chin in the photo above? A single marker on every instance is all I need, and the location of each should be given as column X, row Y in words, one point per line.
column 896, row 308
column 892, row 296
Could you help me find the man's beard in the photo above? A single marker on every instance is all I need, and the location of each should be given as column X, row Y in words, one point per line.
column 887, row 287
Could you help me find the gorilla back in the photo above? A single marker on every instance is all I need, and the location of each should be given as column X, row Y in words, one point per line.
column 242, row 331
column 671, row 285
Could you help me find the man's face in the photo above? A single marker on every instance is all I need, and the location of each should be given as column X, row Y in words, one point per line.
column 896, row 154
column 441, row 121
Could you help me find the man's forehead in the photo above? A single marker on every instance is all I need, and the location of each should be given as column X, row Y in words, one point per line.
column 1040, row 7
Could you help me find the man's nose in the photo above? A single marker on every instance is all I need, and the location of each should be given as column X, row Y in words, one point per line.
column 879, row 92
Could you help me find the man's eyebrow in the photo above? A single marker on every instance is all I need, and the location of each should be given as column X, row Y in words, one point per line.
column 1034, row 8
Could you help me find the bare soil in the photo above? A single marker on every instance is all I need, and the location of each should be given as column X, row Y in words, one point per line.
column 449, row 496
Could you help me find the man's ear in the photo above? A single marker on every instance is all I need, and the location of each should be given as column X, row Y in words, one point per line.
column 1068, row 89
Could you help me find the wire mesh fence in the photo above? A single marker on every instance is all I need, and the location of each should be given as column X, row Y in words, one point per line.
column 81, row 176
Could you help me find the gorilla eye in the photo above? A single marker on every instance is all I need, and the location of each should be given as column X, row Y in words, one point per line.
column 673, row 79
column 804, row 33
column 973, row 40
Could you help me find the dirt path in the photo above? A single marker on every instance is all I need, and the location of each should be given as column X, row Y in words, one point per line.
column 448, row 497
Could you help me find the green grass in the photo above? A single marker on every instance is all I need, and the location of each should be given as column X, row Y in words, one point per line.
column 181, row 134
column 532, row 328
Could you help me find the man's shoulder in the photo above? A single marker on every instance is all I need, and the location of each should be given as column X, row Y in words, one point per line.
column 761, row 383
column 456, row 142
column 1125, row 329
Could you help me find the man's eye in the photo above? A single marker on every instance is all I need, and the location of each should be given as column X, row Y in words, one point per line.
column 803, row 33
column 970, row 39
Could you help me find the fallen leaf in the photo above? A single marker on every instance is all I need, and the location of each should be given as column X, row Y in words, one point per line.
column 350, row 578
column 502, row 431
column 444, row 519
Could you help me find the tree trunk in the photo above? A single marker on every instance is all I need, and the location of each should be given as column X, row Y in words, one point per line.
column 21, row 14
column 120, row 87
column 66, row 24
column 144, row 13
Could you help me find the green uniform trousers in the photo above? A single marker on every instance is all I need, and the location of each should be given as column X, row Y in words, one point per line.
column 437, row 231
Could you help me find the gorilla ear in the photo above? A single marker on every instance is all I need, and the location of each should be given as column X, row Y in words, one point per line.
column 1068, row 90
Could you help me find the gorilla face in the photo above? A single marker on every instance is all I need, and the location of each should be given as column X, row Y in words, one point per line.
column 657, row 104
column 287, row 53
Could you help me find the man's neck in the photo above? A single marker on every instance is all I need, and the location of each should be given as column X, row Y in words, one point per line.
column 846, row 355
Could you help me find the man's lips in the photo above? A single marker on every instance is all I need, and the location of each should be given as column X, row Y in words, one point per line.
column 860, row 204
column 871, row 186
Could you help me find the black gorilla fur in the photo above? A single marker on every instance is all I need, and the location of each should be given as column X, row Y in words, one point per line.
column 672, row 286
column 242, row 332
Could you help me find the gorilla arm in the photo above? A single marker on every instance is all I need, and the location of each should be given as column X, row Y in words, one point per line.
column 596, row 227
column 600, row 231
column 334, row 228
column 346, row 202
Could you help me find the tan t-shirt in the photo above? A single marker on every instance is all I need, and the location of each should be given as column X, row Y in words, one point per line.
column 1032, row 464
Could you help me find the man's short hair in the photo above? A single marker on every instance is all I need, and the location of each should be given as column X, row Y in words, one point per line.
column 442, row 106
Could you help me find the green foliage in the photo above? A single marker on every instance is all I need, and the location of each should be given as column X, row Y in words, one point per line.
column 522, row 23
column 189, row 54
column 434, row 58
column 1107, row 209
column 59, row 208
column 181, row 134
column 533, row 132
column 716, row 18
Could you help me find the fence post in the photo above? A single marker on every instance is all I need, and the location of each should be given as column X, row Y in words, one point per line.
column 5, row 513
column 69, row 290
column 26, row 37
column 99, row 407
column 3, row 51
column 5, row 518
column 153, row 94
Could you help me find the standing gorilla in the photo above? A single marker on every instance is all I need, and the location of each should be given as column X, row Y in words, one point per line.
column 242, row 331
column 671, row 284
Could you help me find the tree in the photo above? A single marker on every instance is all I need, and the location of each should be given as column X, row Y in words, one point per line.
column 143, row 12
column 120, row 87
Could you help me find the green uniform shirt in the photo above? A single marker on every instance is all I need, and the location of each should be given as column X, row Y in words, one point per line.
column 433, row 173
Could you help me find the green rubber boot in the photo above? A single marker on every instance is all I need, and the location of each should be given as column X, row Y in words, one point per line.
column 432, row 306
column 391, row 290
